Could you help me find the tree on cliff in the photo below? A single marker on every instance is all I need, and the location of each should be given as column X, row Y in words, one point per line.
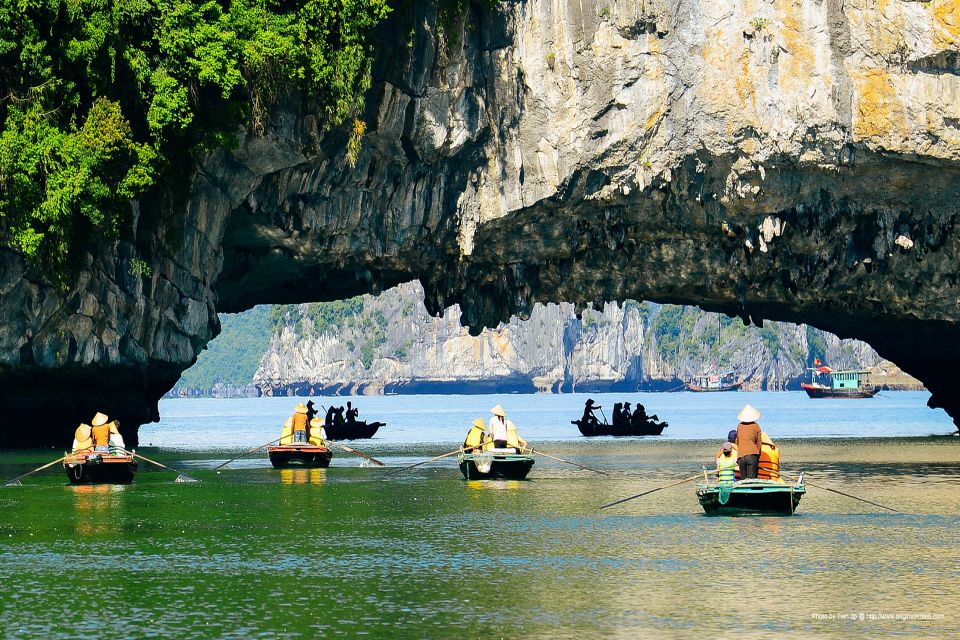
column 103, row 100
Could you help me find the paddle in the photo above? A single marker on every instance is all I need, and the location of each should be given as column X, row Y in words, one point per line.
column 181, row 477
column 247, row 453
column 547, row 455
column 357, row 453
column 15, row 482
column 445, row 455
column 645, row 493
column 805, row 481
column 604, row 416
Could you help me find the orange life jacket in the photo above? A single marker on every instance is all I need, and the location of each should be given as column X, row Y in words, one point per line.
column 101, row 435
column 299, row 422
column 769, row 468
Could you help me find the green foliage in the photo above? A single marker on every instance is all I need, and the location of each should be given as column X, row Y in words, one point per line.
column 770, row 339
column 816, row 346
column 233, row 356
column 759, row 23
column 102, row 99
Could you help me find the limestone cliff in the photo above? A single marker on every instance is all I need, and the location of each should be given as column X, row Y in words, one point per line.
column 782, row 159
column 389, row 344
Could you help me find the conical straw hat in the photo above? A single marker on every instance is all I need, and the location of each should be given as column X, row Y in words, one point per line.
column 478, row 423
column 748, row 414
column 300, row 408
column 765, row 439
column 99, row 419
column 316, row 422
column 498, row 411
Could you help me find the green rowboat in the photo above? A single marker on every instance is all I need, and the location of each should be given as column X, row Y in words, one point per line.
column 493, row 464
column 750, row 497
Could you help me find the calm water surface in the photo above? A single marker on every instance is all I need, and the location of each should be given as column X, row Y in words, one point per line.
column 352, row 551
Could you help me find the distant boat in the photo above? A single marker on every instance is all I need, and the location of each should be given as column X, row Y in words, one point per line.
column 299, row 455
column 353, row 430
column 707, row 383
column 827, row 383
column 647, row 428
column 99, row 468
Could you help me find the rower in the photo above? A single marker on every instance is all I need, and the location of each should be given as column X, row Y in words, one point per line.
column 351, row 413
column 514, row 439
column 100, row 432
column 498, row 427
column 726, row 464
column 617, row 415
column 318, row 435
column 299, row 421
column 769, row 459
column 588, row 416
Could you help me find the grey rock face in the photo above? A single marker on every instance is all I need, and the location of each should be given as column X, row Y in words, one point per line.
column 795, row 160
column 392, row 345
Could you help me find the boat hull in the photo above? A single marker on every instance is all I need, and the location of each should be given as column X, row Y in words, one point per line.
column 604, row 429
column 750, row 497
column 355, row 431
column 825, row 392
column 299, row 455
column 727, row 387
column 502, row 466
column 100, row 469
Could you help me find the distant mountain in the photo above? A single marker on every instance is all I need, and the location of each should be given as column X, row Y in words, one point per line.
column 230, row 361
column 387, row 344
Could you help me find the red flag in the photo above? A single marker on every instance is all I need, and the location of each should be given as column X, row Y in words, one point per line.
column 816, row 362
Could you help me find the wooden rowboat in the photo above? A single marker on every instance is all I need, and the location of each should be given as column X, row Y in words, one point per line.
column 750, row 497
column 494, row 464
column 99, row 467
column 285, row 456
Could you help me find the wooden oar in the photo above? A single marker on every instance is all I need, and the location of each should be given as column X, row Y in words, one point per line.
column 645, row 493
column 357, row 453
column 182, row 477
column 876, row 504
column 15, row 482
column 446, row 455
column 245, row 453
column 547, row 455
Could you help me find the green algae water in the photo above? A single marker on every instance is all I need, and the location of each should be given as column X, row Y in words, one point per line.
column 352, row 551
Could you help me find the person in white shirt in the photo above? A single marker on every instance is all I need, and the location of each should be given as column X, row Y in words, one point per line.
column 497, row 428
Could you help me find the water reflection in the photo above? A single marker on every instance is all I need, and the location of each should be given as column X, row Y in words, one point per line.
column 303, row 476
column 494, row 485
column 98, row 508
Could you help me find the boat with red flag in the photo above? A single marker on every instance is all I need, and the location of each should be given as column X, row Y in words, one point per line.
column 826, row 382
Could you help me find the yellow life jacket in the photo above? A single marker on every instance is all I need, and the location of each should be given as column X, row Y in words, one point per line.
column 513, row 440
column 726, row 467
column 286, row 434
column 474, row 437
column 769, row 468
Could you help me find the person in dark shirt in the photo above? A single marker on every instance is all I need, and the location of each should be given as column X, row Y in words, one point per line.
column 748, row 442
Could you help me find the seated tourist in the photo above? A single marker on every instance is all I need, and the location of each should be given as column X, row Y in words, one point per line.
column 318, row 435
column 769, row 459
column 82, row 439
column 116, row 440
column 726, row 464
column 514, row 439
